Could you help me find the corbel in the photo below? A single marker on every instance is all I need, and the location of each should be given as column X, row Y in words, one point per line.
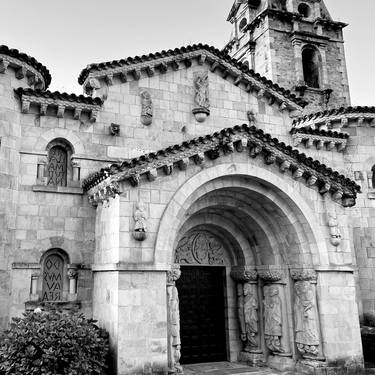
column 298, row 173
column 271, row 99
column 187, row 62
column 341, row 146
column 309, row 142
column 77, row 113
column 25, row 106
column 3, row 65
column 168, row 168
column 270, row 158
column 312, row 180
column 163, row 68
column 214, row 66
column 325, row 188
column 60, row 111
column 31, row 79
column 150, row 71
column 43, row 109
column 284, row 166
column 109, row 79
column 225, row 73
column 202, row 58
column 93, row 115
column 134, row 179
column 319, row 144
column 361, row 121
column 249, row 86
column 331, row 145
column 152, row 174
column 21, row 72
column 242, row 144
column 136, row 74
column 260, row 94
column 39, row 84
column 123, row 77
column 255, row 150
column 337, row 195
column 283, row 106
column 238, row 80
column 174, row 65
column 199, row 158
column 213, row 154
column 183, row 163
column 344, row 122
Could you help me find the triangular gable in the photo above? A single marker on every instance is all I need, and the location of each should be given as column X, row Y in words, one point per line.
column 219, row 62
column 104, row 183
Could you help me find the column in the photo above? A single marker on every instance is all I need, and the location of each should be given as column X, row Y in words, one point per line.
column 306, row 318
column 276, row 318
column 34, row 296
column 174, row 340
column 248, row 314
column 72, row 275
column 41, row 171
column 297, row 46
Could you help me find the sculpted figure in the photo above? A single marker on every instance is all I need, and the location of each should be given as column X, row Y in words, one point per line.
column 175, row 328
column 272, row 318
column 334, row 231
column 307, row 338
column 251, row 317
column 147, row 108
column 201, row 90
column 140, row 218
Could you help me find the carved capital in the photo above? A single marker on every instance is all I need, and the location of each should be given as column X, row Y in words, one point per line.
column 270, row 274
column 244, row 274
column 173, row 274
column 72, row 273
column 303, row 274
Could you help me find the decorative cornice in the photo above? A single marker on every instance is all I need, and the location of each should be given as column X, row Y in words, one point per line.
column 226, row 141
column 244, row 274
column 319, row 138
column 60, row 102
column 171, row 59
column 26, row 66
column 337, row 118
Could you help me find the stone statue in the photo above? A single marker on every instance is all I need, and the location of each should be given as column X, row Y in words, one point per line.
column 307, row 337
column 147, row 108
column 250, row 308
column 334, row 231
column 140, row 218
column 272, row 318
column 174, row 321
column 201, row 90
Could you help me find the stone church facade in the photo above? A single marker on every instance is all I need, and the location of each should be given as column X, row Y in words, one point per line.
column 203, row 205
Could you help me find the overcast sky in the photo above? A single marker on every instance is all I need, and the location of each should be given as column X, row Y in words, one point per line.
column 67, row 35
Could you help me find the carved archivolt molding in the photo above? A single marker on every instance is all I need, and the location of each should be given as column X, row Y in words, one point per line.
column 199, row 248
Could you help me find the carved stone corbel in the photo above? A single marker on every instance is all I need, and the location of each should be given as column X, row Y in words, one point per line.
column 173, row 319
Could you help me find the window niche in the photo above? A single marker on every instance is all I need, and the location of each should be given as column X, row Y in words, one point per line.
column 304, row 10
column 56, row 282
column 58, row 169
column 311, row 63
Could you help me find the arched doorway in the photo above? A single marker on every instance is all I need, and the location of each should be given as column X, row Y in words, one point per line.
column 263, row 236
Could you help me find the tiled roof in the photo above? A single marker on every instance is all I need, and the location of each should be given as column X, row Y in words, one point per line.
column 333, row 113
column 195, row 48
column 4, row 50
column 273, row 151
column 320, row 132
column 56, row 95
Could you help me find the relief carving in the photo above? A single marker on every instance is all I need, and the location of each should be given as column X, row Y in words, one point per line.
column 140, row 218
column 174, row 338
column 201, row 248
column 334, row 231
column 307, row 337
column 250, row 310
column 147, row 108
column 272, row 319
column 201, row 98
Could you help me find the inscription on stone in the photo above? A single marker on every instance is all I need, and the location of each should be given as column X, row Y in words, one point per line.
column 53, row 278
column 57, row 166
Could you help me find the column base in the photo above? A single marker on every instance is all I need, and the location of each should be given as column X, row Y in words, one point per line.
column 311, row 367
column 252, row 359
column 281, row 362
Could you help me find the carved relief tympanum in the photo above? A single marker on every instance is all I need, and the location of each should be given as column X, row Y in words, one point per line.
column 199, row 247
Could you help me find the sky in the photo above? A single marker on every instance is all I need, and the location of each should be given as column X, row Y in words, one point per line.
column 67, row 35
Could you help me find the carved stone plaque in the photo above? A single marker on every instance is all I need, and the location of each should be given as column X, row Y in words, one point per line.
column 200, row 248
column 53, row 278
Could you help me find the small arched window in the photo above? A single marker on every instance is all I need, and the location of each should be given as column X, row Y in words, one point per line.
column 304, row 10
column 311, row 67
column 243, row 24
column 58, row 163
column 53, row 277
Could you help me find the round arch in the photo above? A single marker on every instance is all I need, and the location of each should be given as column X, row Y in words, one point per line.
column 288, row 201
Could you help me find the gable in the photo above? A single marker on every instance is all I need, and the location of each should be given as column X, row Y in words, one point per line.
column 105, row 183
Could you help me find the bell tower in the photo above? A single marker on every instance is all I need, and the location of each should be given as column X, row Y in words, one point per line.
column 294, row 43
